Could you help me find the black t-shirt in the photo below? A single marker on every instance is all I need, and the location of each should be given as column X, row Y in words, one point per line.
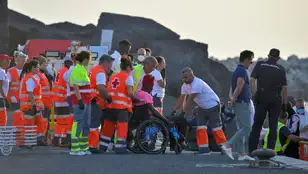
column 271, row 76
column 283, row 135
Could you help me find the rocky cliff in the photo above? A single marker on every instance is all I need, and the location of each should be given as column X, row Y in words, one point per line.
column 141, row 32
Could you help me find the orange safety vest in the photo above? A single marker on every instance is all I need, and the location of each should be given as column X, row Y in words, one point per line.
column 95, row 93
column 15, row 84
column 25, row 102
column 59, row 88
column 46, row 97
column 117, row 89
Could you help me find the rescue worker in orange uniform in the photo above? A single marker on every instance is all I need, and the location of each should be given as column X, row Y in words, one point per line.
column 13, row 94
column 66, row 78
column 31, row 99
column 62, row 108
column 208, row 111
column 98, row 82
column 46, row 95
column 5, row 61
column 118, row 111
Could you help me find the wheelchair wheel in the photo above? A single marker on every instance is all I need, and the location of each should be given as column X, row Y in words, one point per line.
column 132, row 144
column 152, row 136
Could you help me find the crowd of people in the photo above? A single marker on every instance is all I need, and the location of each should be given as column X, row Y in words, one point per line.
column 85, row 100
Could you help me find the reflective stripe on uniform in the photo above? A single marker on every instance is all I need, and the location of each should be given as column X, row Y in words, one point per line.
column 201, row 127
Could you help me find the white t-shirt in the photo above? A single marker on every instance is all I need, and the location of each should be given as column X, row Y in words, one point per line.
column 130, row 81
column 101, row 79
column 117, row 61
column 66, row 78
column 9, row 74
column 206, row 97
column 5, row 84
column 30, row 85
column 157, row 90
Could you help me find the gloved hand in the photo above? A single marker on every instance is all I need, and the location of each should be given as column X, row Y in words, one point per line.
column 81, row 105
column 109, row 100
column 6, row 103
column 173, row 113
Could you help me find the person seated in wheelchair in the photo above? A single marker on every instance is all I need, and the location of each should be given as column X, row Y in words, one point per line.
column 140, row 107
column 145, row 110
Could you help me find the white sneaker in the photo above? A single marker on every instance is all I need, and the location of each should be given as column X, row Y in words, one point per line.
column 79, row 153
column 87, row 152
column 227, row 151
column 245, row 158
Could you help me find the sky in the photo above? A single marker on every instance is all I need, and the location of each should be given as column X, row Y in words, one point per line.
column 227, row 26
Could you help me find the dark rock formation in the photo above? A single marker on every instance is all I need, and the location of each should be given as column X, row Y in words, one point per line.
column 141, row 32
column 4, row 27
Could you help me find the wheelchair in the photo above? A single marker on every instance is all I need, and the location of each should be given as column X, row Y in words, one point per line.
column 147, row 127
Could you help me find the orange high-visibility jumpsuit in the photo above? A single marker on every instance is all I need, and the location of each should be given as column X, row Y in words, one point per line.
column 117, row 112
column 97, row 105
column 26, row 106
column 14, row 95
column 46, row 99
column 62, row 109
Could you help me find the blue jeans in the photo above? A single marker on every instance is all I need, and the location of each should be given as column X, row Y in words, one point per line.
column 243, row 118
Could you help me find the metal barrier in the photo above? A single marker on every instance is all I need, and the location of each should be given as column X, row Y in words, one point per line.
column 16, row 136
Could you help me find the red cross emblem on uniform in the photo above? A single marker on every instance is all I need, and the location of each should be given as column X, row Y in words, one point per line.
column 115, row 83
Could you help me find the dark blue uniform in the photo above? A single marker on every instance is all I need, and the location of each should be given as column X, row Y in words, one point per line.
column 271, row 77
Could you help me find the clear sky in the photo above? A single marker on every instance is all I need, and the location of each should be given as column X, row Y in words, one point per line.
column 228, row 26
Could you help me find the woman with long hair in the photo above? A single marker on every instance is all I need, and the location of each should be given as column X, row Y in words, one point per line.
column 81, row 100
column 30, row 99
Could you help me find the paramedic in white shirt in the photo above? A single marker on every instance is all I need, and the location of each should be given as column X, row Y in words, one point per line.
column 5, row 61
column 158, row 91
column 208, row 111
column 149, row 65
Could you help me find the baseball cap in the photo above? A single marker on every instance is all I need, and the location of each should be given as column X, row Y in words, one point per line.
column 274, row 52
column 5, row 56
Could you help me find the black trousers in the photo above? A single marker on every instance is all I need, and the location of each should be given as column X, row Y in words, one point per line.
column 265, row 103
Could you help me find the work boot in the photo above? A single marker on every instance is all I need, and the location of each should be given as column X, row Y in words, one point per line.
column 93, row 150
column 203, row 151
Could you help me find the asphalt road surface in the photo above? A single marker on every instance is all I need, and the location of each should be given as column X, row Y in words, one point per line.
column 48, row 160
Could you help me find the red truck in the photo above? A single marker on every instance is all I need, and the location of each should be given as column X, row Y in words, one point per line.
column 51, row 48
